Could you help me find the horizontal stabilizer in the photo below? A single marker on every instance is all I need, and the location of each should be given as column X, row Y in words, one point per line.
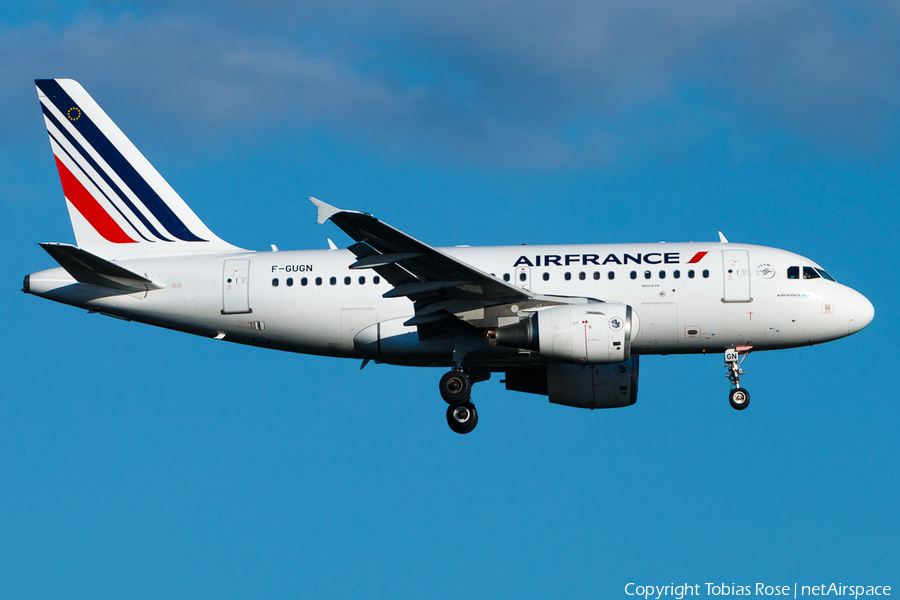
column 89, row 268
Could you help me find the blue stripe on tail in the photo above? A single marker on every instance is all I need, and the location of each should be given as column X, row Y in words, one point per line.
column 105, row 177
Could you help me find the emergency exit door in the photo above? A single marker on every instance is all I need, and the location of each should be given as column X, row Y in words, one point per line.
column 236, row 287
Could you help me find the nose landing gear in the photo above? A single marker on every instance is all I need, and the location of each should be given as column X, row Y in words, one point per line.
column 739, row 398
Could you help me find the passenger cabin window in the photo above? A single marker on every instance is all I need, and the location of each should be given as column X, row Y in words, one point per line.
column 304, row 281
column 810, row 273
column 633, row 275
column 568, row 276
column 522, row 276
column 690, row 274
column 318, row 281
column 362, row 281
column 275, row 282
column 546, row 277
column 662, row 274
column 290, row 281
column 506, row 277
column 596, row 275
column 333, row 281
column 793, row 272
column 676, row 273
column 705, row 273
column 646, row 274
column 581, row 276
column 611, row 275
column 346, row 281
column 376, row 280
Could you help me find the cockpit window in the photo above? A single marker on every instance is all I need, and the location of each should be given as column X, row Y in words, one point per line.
column 824, row 274
column 793, row 272
column 810, row 273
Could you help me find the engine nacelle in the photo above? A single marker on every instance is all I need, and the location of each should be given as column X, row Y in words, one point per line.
column 598, row 333
column 589, row 386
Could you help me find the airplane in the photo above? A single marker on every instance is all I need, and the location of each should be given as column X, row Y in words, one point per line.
column 569, row 322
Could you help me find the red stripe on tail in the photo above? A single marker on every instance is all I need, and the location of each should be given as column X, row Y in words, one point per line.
column 90, row 209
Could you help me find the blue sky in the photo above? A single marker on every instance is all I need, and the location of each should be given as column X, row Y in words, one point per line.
column 142, row 463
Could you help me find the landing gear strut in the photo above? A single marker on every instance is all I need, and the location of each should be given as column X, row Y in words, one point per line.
column 456, row 390
column 739, row 398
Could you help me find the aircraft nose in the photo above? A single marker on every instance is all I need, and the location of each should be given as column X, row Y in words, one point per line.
column 861, row 313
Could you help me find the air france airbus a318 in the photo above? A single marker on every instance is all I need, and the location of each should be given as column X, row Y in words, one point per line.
column 568, row 322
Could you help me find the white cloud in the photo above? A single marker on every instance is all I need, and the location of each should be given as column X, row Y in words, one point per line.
column 497, row 81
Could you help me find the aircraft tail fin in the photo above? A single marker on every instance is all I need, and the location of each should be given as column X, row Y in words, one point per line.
column 118, row 203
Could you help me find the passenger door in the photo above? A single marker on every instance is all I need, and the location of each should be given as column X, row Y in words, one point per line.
column 736, row 264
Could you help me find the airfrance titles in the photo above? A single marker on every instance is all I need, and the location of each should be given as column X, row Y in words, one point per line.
column 565, row 260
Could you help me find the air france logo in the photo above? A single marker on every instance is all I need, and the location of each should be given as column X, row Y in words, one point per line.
column 565, row 260
column 616, row 323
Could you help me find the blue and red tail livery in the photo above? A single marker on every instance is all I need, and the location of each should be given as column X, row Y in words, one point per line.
column 118, row 203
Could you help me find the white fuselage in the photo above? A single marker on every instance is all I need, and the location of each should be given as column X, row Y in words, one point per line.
column 311, row 301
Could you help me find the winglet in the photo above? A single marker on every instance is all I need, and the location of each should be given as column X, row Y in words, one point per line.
column 325, row 210
column 722, row 239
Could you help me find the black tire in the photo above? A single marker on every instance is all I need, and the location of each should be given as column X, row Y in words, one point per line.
column 455, row 387
column 462, row 418
column 739, row 398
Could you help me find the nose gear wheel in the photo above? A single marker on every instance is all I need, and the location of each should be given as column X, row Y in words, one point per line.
column 739, row 398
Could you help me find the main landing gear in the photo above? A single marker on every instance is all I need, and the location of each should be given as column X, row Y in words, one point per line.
column 739, row 398
column 456, row 390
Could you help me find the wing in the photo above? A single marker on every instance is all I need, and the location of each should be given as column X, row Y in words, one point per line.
column 438, row 283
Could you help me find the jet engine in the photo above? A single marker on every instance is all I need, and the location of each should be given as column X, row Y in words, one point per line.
column 598, row 333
